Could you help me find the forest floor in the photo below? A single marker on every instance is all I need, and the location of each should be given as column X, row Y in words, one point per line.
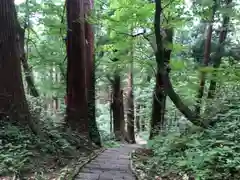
column 25, row 156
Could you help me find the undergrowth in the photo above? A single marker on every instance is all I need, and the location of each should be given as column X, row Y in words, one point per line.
column 210, row 154
column 23, row 153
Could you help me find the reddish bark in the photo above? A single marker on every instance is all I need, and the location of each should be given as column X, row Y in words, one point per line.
column 90, row 75
column 77, row 106
column 13, row 104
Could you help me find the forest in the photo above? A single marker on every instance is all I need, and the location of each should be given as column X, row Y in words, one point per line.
column 162, row 76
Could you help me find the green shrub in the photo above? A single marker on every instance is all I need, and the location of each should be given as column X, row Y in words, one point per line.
column 212, row 154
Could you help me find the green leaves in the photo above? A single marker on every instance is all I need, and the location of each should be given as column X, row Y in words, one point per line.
column 205, row 3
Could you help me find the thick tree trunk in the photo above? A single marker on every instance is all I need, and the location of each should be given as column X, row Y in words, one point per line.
column 130, row 100
column 158, row 108
column 130, row 108
column 162, row 55
column 77, row 105
column 13, row 104
column 90, row 65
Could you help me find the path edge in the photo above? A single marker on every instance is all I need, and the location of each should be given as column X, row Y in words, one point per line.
column 132, row 168
column 81, row 163
column 137, row 172
column 92, row 156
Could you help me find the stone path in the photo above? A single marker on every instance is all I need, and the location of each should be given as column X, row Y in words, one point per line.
column 112, row 164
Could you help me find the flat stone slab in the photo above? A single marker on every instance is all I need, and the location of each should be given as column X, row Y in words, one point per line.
column 112, row 164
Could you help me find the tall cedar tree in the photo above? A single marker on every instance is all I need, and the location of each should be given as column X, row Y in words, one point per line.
column 90, row 65
column 77, row 105
column 13, row 104
column 130, row 101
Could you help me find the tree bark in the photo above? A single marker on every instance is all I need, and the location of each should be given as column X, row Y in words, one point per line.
column 162, row 55
column 24, row 59
column 137, row 117
column 29, row 77
column 143, row 125
column 163, row 70
column 158, row 107
column 13, row 104
column 110, row 95
column 217, row 58
column 130, row 109
column 130, row 101
column 90, row 65
column 77, row 105
column 117, row 107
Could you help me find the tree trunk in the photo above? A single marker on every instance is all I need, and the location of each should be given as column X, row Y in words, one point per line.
column 122, row 123
column 164, row 69
column 158, row 108
column 163, row 55
column 143, row 125
column 13, row 104
column 26, row 68
column 130, row 108
column 77, row 105
column 90, row 65
column 130, row 101
column 110, row 97
column 29, row 77
column 117, row 107
column 217, row 58
column 207, row 51
column 137, row 117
